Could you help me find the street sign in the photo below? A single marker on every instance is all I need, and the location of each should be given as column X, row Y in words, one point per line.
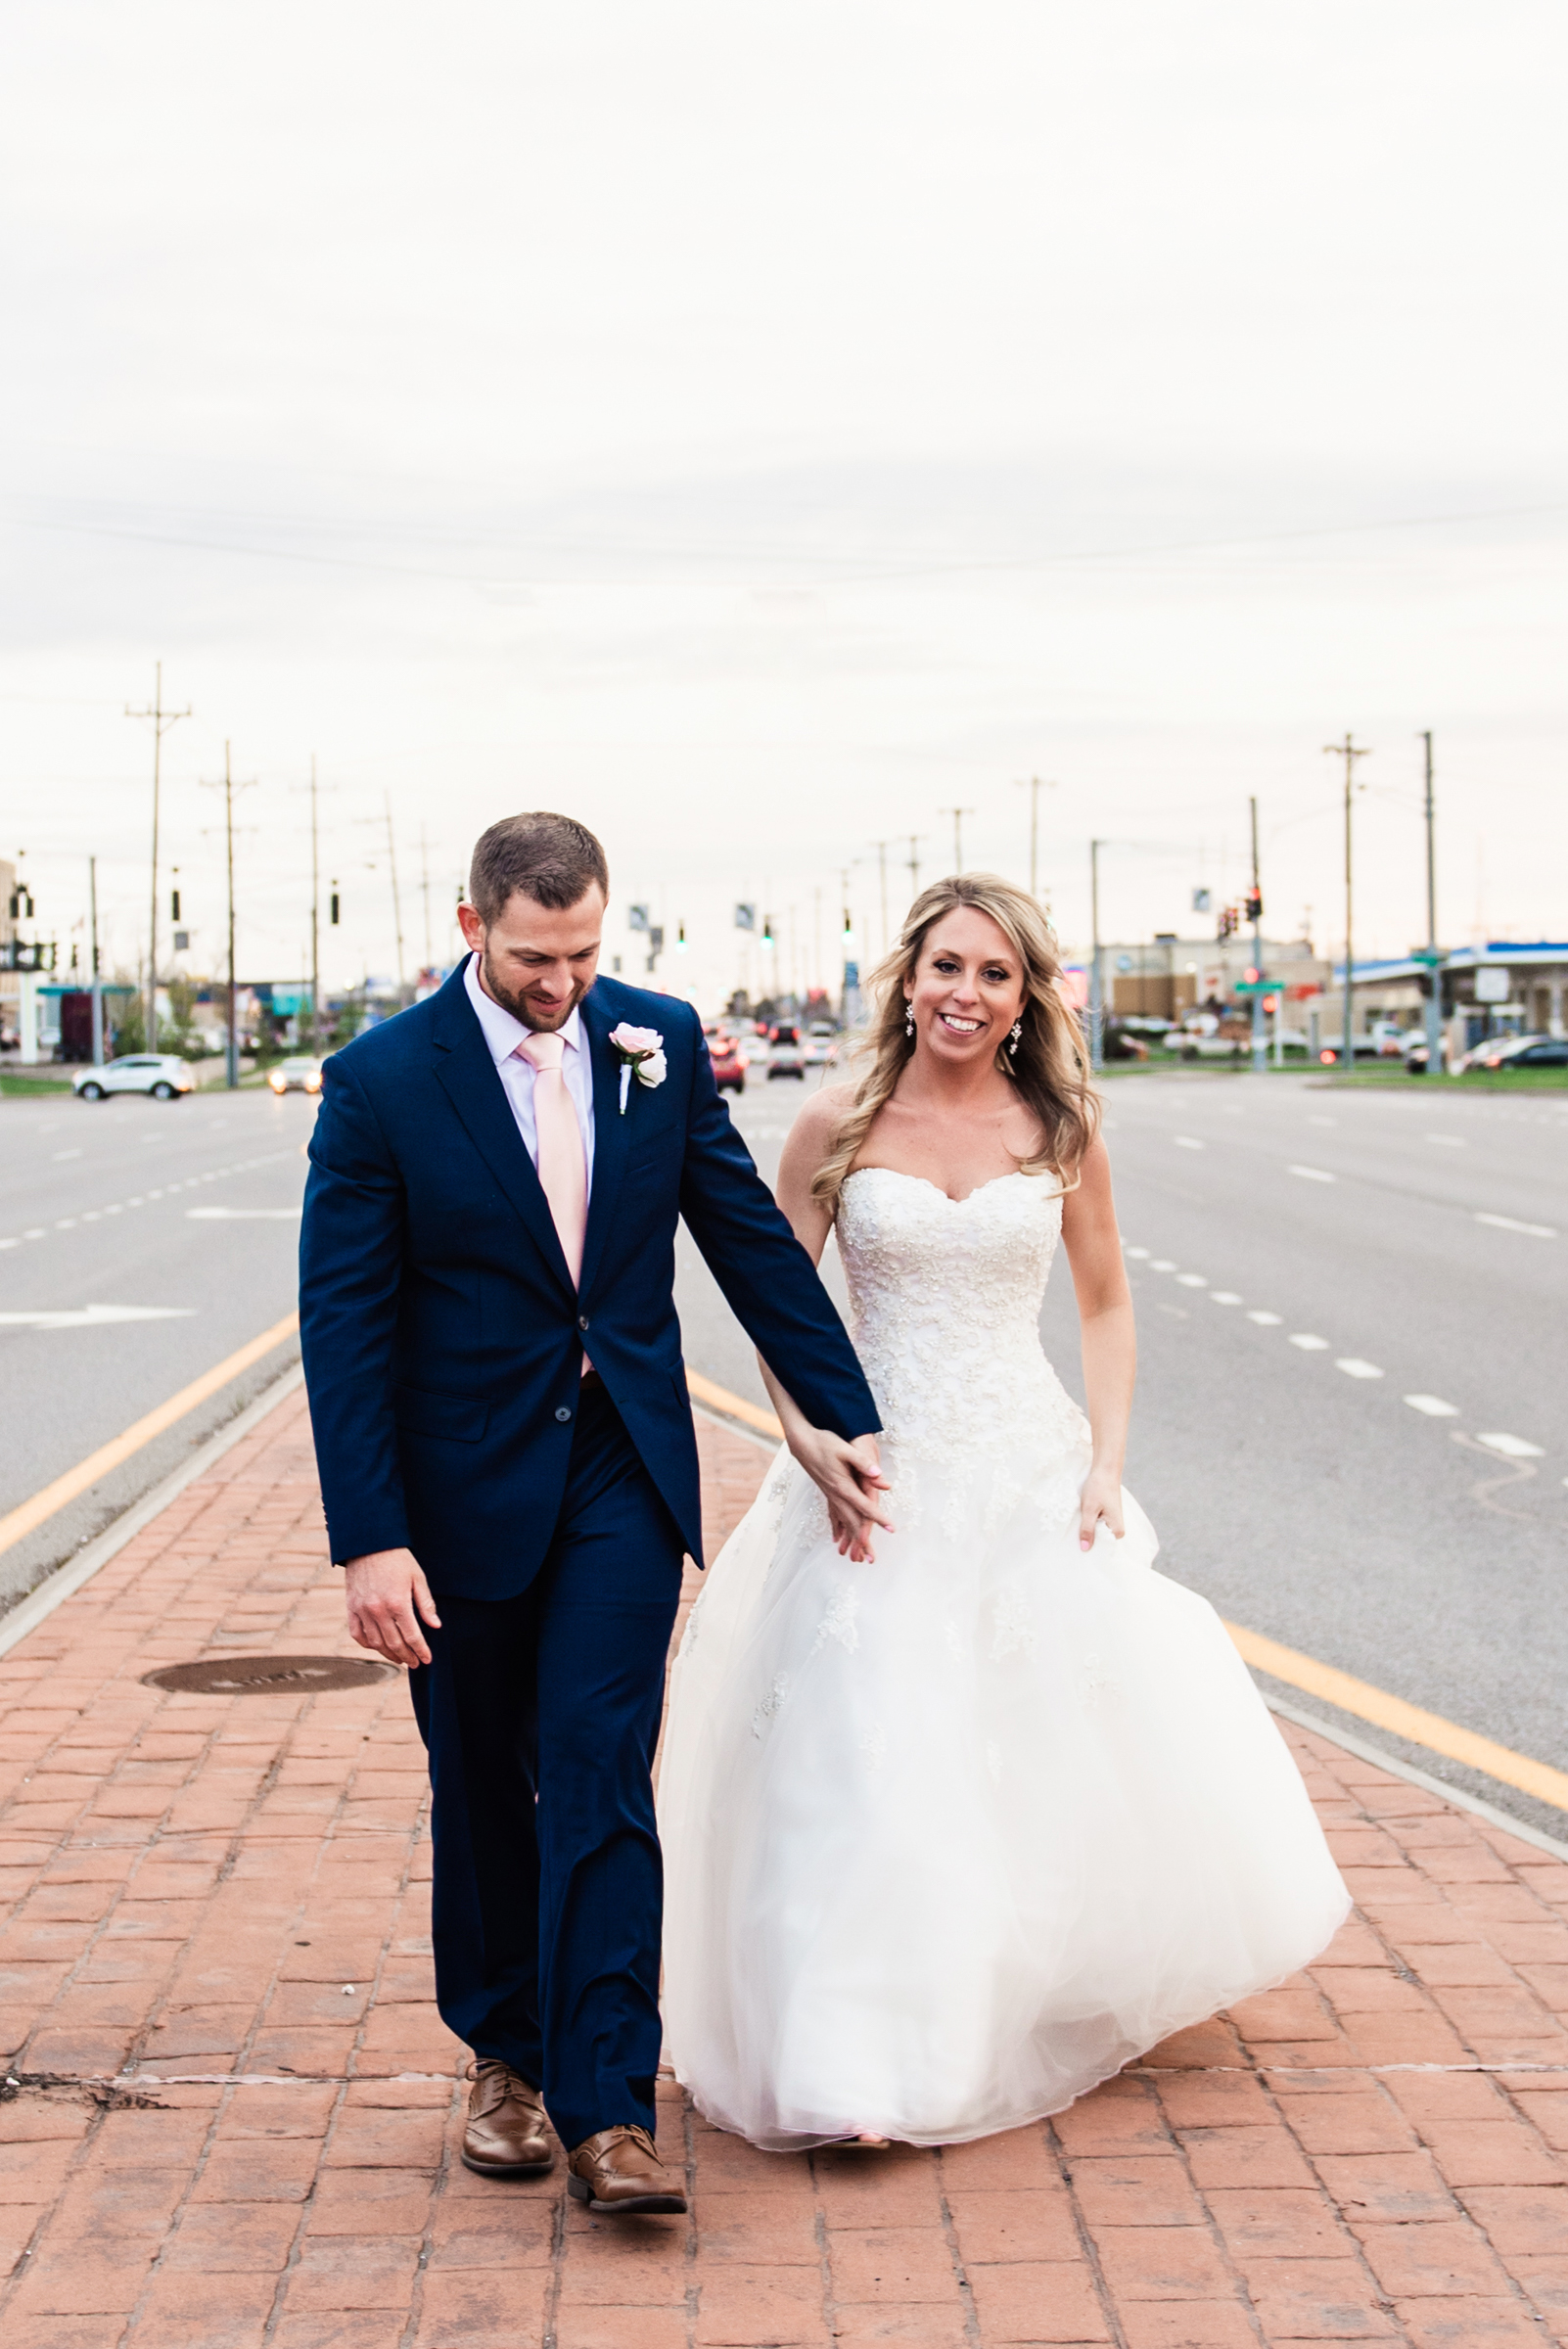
column 1493, row 983
column 1256, row 987
column 1433, row 956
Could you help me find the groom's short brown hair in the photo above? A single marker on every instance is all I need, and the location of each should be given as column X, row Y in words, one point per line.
column 551, row 858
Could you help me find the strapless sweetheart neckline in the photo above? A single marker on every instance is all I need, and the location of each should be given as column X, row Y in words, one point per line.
column 926, row 1183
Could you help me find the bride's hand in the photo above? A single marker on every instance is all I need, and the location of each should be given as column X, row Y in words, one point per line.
column 850, row 1477
column 1101, row 1504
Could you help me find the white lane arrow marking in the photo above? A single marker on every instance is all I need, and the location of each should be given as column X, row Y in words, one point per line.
column 96, row 1317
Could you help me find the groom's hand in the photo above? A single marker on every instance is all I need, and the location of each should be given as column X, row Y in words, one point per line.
column 850, row 1480
column 386, row 1594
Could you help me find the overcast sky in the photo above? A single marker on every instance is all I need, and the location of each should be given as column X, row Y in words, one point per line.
column 757, row 429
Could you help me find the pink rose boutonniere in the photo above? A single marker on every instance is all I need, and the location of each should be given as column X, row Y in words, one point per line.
column 641, row 1052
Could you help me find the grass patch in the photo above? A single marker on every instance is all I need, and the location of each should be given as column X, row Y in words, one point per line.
column 1473, row 1081
column 28, row 1088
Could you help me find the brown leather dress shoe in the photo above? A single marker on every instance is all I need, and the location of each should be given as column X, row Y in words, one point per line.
column 619, row 2173
column 506, row 2134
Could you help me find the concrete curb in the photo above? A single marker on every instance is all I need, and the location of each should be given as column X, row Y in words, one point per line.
column 1364, row 1751
column 31, row 1611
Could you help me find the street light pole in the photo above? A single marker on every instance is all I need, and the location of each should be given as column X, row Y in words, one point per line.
column 228, row 788
column 97, row 980
column 915, row 838
column 1434, row 999
column 1259, row 1040
column 1096, row 980
column 1348, row 750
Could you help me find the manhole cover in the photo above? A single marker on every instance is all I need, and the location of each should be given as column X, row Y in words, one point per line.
column 267, row 1675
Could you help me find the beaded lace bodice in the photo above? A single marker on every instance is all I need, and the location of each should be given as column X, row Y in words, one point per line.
column 945, row 1296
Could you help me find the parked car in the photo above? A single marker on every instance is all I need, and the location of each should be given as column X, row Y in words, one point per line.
column 301, row 1073
column 1508, row 1052
column 163, row 1075
column 730, row 1068
column 786, row 1055
column 821, row 1044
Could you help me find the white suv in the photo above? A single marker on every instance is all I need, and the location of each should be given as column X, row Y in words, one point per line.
column 163, row 1075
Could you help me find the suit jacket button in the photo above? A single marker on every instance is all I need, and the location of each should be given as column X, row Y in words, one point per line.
column 583, row 1321
column 563, row 1414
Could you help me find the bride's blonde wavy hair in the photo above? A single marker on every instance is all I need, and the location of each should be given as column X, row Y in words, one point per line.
column 1051, row 1067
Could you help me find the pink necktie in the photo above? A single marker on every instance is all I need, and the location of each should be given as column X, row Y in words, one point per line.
column 563, row 1167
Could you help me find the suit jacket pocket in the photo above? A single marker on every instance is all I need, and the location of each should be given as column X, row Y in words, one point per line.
column 460, row 1419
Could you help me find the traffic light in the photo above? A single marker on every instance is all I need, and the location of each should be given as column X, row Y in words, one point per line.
column 173, row 904
column 1255, row 905
column 1227, row 922
column 333, row 917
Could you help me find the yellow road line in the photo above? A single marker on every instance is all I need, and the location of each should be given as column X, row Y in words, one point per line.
column 1392, row 1713
column 1323, row 1681
column 34, row 1512
column 719, row 1399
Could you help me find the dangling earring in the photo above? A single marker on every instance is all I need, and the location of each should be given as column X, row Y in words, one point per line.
column 908, row 1017
column 1013, row 1035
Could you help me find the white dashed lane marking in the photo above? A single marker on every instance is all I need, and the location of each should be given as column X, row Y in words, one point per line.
column 1311, row 1173
column 1186, row 1141
column 1433, row 1405
column 1225, row 1297
column 1308, row 1342
column 1536, row 1231
column 1191, row 1280
column 1354, row 1368
column 1512, row 1447
column 1266, row 1320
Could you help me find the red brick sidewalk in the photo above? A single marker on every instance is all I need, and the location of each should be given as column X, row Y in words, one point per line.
column 235, row 2110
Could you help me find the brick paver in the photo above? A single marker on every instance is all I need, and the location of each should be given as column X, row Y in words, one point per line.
column 231, row 2111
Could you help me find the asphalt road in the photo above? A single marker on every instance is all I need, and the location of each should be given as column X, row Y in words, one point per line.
column 1293, row 1484
column 182, row 1218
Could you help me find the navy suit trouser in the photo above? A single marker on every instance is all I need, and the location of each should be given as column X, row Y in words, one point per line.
column 540, row 1715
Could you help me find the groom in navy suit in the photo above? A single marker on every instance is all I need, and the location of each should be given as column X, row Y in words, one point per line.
column 509, row 1467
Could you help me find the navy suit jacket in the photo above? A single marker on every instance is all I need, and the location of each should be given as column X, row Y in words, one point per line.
column 442, row 1335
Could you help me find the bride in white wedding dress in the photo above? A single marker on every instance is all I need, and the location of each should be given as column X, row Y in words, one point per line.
column 965, row 1806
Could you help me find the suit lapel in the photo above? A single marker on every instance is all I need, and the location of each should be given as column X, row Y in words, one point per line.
column 472, row 1084
column 611, row 1131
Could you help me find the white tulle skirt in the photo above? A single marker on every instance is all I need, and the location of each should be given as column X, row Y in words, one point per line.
column 950, row 1838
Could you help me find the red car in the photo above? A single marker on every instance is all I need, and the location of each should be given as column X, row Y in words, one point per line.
column 729, row 1070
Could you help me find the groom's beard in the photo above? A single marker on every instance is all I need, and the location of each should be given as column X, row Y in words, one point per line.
column 544, row 1018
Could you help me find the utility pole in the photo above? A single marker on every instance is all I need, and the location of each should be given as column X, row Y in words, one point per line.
column 162, row 720
column 1434, row 960
column 958, row 814
column 97, row 981
column 915, row 838
column 1348, row 750
column 397, row 912
column 1035, row 786
column 229, row 787
column 1097, row 980
column 1259, row 1040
